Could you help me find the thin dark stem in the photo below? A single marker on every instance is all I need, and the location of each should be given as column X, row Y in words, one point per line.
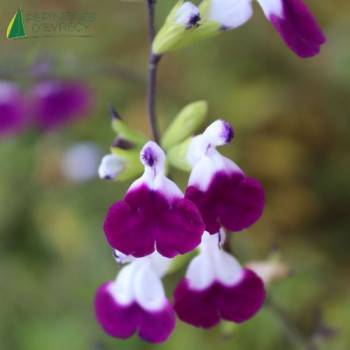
column 152, row 73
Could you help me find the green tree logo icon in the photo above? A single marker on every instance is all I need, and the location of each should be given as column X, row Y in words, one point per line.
column 16, row 29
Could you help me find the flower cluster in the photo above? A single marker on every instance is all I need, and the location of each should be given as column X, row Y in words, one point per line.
column 291, row 18
column 48, row 105
column 156, row 222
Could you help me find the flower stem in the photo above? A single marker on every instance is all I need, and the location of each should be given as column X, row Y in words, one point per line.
column 152, row 73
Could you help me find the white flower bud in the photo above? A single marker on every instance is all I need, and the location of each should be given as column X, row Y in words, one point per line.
column 110, row 167
column 188, row 15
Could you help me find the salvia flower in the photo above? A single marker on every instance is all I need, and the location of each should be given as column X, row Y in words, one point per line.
column 153, row 214
column 135, row 302
column 292, row 19
column 11, row 108
column 217, row 287
column 224, row 195
column 56, row 102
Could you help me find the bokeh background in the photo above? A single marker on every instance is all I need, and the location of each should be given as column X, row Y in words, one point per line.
column 292, row 120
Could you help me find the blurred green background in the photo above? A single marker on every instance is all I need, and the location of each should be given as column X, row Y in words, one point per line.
column 292, row 120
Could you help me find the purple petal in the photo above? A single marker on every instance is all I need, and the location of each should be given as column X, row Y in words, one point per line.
column 11, row 108
column 241, row 302
column 205, row 308
column 196, row 307
column 156, row 326
column 145, row 218
column 122, row 321
column 231, row 200
column 299, row 29
column 119, row 321
column 58, row 102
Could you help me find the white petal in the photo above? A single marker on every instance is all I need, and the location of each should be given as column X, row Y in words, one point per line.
column 227, row 268
column 202, row 174
column 187, row 15
column 201, row 272
column 218, row 133
column 196, row 149
column 159, row 263
column 153, row 157
column 123, row 287
column 148, row 289
column 230, row 13
column 110, row 167
column 167, row 187
column 272, row 7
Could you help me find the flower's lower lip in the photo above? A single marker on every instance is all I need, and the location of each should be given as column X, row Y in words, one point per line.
column 205, row 308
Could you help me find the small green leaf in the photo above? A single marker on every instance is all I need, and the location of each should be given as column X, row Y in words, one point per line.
column 127, row 133
column 185, row 123
column 176, row 156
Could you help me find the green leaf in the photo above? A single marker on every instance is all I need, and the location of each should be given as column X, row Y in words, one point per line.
column 127, row 133
column 176, row 156
column 185, row 123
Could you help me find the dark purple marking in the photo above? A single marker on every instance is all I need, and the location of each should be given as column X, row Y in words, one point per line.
column 123, row 143
column 149, row 157
column 227, row 133
column 114, row 114
column 192, row 21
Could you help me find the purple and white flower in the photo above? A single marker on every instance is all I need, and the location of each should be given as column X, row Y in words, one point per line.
column 224, row 195
column 292, row 19
column 216, row 287
column 153, row 214
column 11, row 108
column 135, row 302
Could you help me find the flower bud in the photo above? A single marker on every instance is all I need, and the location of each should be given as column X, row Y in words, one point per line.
column 111, row 166
column 184, row 25
column 187, row 15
